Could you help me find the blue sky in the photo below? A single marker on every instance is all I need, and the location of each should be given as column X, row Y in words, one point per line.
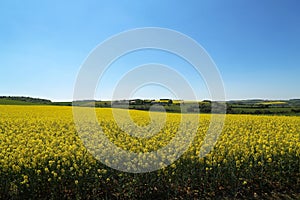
column 255, row 44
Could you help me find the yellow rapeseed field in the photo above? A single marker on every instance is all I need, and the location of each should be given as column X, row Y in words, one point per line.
column 42, row 156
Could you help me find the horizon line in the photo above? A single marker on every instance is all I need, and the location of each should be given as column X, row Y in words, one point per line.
column 64, row 100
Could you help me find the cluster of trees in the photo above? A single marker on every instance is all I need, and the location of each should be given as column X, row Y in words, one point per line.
column 27, row 99
column 143, row 102
column 172, row 106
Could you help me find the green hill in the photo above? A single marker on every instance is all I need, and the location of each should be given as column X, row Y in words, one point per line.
column 13, row 100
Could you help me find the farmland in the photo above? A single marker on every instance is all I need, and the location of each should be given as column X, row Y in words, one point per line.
column 255, row 106
column 43, row 157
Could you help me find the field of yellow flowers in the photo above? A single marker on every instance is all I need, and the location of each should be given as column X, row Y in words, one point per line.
column 42, row 157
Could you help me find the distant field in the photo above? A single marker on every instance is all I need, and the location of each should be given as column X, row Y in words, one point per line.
column 273, row 102
column 253, row 110
column 256, row 106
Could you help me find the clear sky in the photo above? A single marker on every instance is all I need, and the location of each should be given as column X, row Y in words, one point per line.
column 255, row 44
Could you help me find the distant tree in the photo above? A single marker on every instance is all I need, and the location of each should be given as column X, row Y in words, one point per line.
column 257, row 112
column 295, row 110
